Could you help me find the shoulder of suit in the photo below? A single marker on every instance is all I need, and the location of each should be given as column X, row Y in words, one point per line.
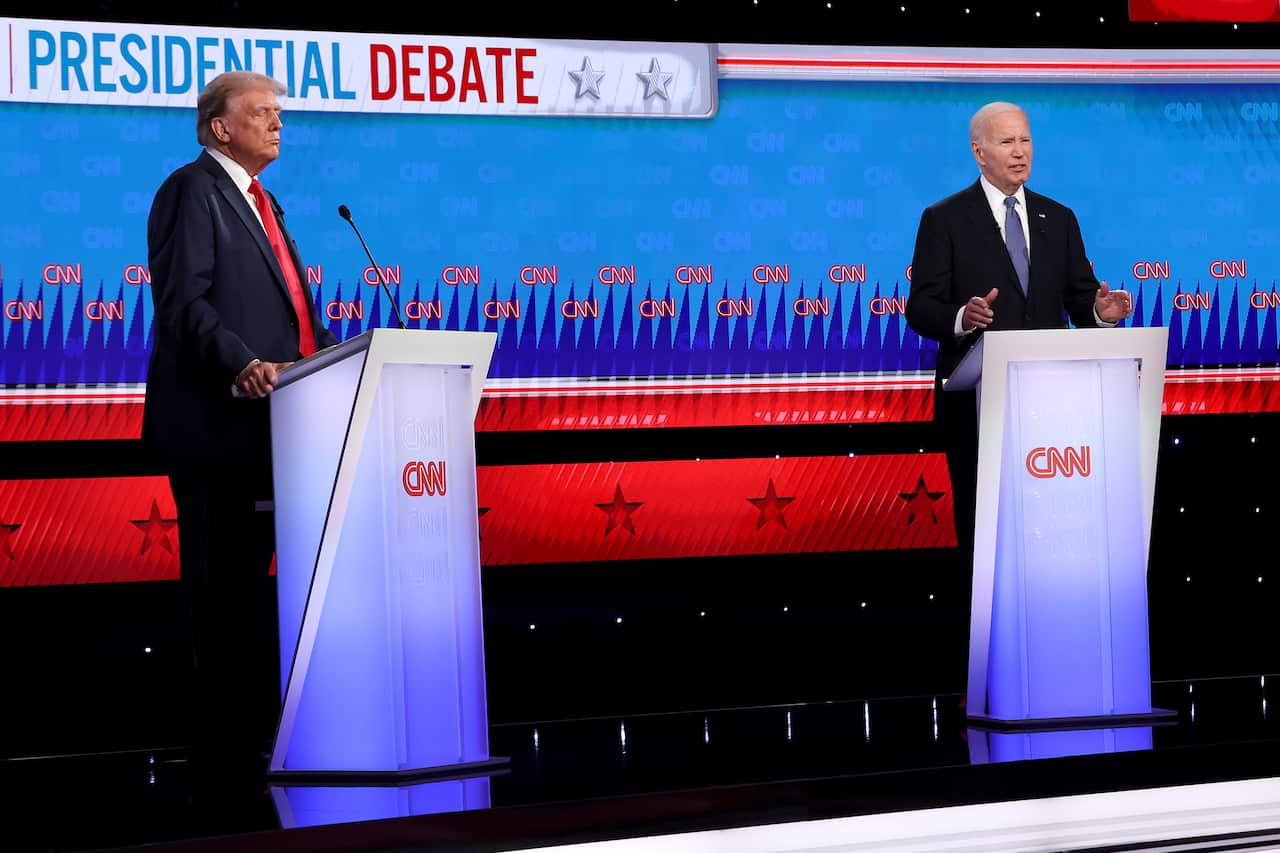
column 963, row 198
column 185, row 184
column 1043, row 202
column 191, row 173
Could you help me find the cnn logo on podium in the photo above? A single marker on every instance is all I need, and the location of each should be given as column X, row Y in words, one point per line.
column 1047, row 462
column 423, row 478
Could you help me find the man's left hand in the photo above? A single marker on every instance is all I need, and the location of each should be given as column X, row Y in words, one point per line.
column 258, row 379
column 1112, row 305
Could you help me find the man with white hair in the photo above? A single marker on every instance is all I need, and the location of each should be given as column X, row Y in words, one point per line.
column 996, row 256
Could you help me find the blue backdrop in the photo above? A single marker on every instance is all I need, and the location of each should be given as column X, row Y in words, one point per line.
column 820, row 184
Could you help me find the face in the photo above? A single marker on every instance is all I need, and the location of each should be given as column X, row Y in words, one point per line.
column 1003, row 151
column 249, row 131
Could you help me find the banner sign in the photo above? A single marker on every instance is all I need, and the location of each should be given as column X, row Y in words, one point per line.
column 61, row 62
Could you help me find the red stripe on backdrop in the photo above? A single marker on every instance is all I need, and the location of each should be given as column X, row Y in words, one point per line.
column 713, row 508
column 1229, row 11
column 1228, row 396
column 93, row 530
column 926, row 64
column 742, row 407
column 1187, row 392
column 123, row 529
column 70, row 421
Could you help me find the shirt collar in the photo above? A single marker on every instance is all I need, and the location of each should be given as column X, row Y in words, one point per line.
column 995, row 198
column 234, row 170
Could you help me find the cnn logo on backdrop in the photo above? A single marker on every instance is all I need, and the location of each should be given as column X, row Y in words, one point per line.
column 1047, row 462
column 423, row 478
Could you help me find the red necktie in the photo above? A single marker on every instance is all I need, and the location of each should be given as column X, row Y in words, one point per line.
column 306, row 336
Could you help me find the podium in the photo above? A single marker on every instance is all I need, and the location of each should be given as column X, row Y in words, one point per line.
column 1068, row 432
column 378, row 558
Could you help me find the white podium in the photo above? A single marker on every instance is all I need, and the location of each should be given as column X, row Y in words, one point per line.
column 1068, row 432
column 378, row 559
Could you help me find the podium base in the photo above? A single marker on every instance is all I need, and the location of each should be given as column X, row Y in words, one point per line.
column 438, row 773
column 1156, row 716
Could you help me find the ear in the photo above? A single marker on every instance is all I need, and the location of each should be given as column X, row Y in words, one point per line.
column 219, row 127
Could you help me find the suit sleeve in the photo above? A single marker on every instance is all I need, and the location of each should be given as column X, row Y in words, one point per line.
column 1081, row 284
column 181, row 257
column 931, row 309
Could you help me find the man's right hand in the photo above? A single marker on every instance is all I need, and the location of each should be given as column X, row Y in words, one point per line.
column 258, row 379
column 978, row 313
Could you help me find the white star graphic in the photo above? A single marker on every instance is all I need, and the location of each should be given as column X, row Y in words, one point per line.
column 588, row 80
column 655, row 81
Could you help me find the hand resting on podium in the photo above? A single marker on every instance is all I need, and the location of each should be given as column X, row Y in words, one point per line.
column 258, row 378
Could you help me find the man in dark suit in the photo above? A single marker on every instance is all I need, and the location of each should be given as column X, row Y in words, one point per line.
column 231, row 310
column 996, row 256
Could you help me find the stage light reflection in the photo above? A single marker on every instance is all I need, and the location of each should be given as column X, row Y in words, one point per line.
column 314, row 805
column 988, row 747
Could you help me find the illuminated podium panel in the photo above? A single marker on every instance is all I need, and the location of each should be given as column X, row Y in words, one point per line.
column 378, row 559
column 1068, row 432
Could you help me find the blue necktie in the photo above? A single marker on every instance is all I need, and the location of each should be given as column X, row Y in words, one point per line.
column 1016, row 242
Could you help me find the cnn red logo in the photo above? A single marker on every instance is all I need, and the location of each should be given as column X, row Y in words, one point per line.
column 423, row 478
column 1046, row 462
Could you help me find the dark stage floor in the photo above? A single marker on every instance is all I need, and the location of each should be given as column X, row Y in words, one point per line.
column 583, row 780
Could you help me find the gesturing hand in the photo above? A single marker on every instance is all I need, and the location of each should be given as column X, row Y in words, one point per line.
column 977, row 311
column 1112, row 306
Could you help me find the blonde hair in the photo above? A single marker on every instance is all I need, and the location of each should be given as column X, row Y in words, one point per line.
column 212, row 102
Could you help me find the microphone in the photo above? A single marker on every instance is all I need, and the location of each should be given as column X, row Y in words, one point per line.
column 345, row 213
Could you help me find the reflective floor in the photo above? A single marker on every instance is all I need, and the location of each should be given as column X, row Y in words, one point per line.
column 587, row 779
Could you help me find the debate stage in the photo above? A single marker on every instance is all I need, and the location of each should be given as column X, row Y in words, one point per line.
column 722, row 593
column 856, row 775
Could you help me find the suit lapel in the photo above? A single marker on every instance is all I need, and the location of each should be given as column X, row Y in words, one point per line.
column 985, row 223
column 1037, row 221
column 249, row 218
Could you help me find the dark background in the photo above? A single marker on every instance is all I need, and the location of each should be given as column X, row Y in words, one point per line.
column 75, row 677
column 1061, row 23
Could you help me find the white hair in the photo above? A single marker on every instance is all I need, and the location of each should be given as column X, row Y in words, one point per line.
column 978, row 124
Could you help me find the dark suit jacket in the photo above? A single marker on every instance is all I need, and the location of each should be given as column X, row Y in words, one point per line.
column 960, row 254
column 220, row 301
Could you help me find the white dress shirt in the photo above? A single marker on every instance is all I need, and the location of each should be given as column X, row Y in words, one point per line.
column 995, row 200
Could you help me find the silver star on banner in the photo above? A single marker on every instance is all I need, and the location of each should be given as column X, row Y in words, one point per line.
column 655, row 81
column 588, row 80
